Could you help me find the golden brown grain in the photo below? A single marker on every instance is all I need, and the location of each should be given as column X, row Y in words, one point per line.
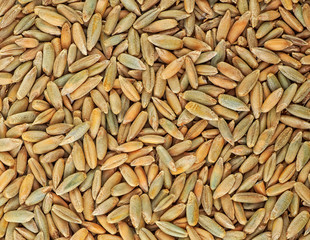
column 154, row 119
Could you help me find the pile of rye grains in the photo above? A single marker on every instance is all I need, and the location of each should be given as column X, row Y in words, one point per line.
column 154, row 119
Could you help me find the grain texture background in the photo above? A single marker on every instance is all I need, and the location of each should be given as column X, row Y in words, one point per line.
column 154, row 119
